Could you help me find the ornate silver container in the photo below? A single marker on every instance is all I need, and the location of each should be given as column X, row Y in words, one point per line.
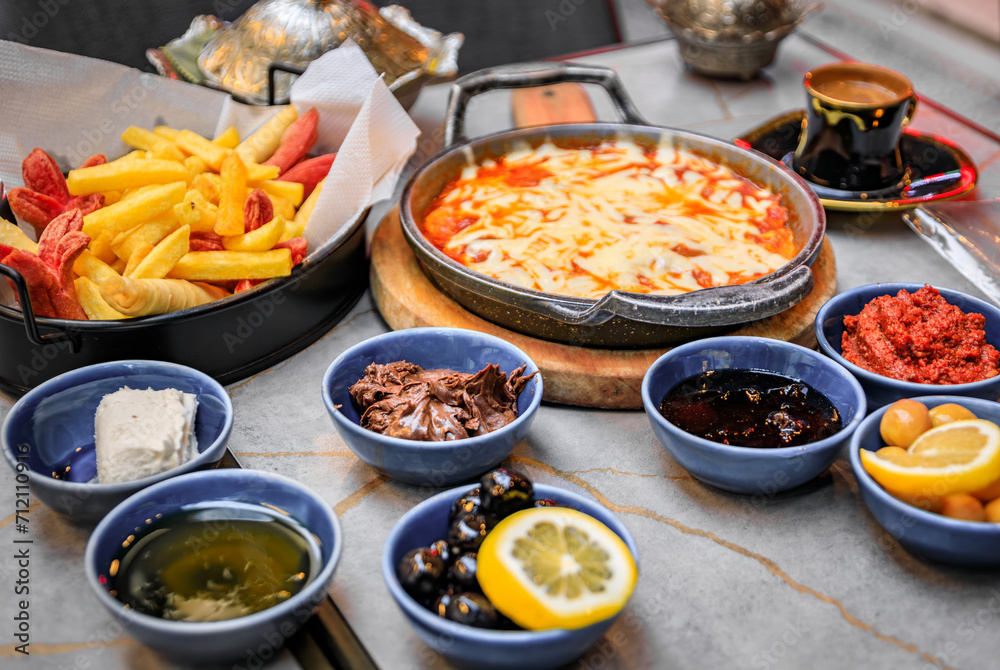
column 296, row 32
column 731, row 38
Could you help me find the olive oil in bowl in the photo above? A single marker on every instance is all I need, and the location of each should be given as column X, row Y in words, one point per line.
column 214, row 563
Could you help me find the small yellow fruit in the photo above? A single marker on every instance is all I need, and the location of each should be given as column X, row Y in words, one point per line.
column 949, row 412
column 957, row 457
column 904, row 422
column 993, row 511
column 988, row 493
column 962, row 506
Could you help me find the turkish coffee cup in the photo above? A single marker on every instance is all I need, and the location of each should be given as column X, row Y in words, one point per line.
column 854, row 120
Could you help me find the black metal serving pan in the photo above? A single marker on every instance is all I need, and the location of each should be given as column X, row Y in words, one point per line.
column 620, row 319
column 228, row 339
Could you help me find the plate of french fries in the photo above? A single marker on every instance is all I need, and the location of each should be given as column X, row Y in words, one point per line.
column 179, row 222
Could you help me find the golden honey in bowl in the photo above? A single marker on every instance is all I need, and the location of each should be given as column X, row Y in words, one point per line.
column 213, row 564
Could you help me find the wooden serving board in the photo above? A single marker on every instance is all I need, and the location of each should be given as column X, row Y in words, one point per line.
column 607, row 378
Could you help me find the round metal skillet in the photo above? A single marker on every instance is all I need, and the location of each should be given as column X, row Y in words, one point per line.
column 619, row 319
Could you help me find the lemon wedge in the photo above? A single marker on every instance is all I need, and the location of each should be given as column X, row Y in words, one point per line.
column 555, row 567
column 956, row 457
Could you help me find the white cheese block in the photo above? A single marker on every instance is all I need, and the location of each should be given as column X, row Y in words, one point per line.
column 142, row 433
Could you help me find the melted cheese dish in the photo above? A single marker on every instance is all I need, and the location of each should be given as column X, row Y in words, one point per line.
column 583, row 222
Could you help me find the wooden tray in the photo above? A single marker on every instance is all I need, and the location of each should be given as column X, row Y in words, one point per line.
column 607, row 378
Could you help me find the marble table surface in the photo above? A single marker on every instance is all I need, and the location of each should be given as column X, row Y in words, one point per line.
column 805, row 579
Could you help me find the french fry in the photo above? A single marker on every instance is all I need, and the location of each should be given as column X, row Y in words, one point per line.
column 264, row 141
column 256, row 172
column 93, row 304
column 282, row 206
column 292, row 229
column 194, row 211
column 93, row 268
column 140, row 297
column 100, row 246
column 159, row 146
column 296, row 141
column 161, row 258
column 208, row 185
column 111, row 197
column 119, row 266
column 13, row 236
column 232, row 197
column 150, row 201
column 228, row 139
column 195, row 165
column 225, row 265
column 117, row 176
column 137, row 257
column 137, row 155
column 195, row 144
column 261, row 239
column 306, row 210
column 289, row 190
column 168, row 132
column 148, row 232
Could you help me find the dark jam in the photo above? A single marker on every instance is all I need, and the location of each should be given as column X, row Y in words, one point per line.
column 749, row 408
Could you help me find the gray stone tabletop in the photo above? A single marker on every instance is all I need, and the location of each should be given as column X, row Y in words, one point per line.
column 805, row 579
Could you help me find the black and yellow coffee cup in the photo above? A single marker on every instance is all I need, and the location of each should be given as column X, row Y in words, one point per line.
column 854, row 120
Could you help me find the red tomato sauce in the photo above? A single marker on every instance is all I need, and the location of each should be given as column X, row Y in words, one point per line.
column 920, row 338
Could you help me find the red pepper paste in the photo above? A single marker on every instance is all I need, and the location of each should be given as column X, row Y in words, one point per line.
column 920, row 338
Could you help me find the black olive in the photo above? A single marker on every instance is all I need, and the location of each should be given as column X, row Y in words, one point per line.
column 468, row 532
column 440, row 606
column 472, row 609
column 504, row 492
column 422, row 574
column 462, row 573
column 443, row 551
column 467, row 503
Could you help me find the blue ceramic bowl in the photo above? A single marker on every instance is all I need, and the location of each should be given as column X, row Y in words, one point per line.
column 432, row 464
column 247, row 640
column 471, row 647
column 54, row 424
column 885, row 390
column 744, row 469
column 963, row 543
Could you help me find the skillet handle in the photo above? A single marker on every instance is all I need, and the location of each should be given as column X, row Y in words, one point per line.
column 720, row 306
column 35, row 336
column 463, row 89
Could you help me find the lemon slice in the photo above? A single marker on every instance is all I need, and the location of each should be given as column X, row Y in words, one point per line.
column 555, row 567
column 956, row 457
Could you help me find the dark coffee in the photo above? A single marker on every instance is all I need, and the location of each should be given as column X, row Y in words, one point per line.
column 855, row 91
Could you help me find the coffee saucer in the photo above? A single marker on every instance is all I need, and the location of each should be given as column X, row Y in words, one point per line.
column 939, row 170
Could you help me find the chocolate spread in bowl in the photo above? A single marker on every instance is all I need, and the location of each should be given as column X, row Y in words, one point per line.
column 400, row 399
